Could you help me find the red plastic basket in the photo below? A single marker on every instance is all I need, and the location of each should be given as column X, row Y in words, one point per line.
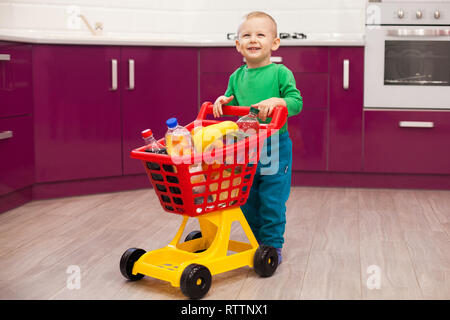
column 227, row 174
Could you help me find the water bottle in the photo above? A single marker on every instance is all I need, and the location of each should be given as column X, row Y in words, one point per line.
column 178, row 139
column 151, row 144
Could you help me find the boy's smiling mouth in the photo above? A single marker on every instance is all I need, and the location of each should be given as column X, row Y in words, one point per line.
column 253, row 48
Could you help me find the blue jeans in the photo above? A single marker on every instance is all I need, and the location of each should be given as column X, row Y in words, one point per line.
column 265, row 209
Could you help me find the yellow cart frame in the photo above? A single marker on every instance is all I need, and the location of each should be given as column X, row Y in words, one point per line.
column 168, row 263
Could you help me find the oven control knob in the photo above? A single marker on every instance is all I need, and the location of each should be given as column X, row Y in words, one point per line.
column 419, row 14
column 437, row 14
column 400, row 14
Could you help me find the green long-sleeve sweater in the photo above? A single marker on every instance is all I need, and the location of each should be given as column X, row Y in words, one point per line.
column 250, row 86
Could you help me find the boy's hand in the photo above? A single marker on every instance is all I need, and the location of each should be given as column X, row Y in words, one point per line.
column 266, row 107
column 217, row 109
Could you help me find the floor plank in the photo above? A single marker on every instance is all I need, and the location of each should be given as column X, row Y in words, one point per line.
column 334, row 269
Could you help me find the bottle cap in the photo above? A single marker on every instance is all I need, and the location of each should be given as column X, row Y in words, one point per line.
column 147, row 133
column 172, row 123
column 254, row 110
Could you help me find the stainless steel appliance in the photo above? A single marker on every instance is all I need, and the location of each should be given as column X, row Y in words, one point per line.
column 407, row 54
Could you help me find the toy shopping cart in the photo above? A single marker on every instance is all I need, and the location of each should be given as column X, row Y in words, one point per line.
column 213, row 196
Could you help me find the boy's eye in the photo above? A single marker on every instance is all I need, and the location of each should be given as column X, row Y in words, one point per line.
column 246, row 35
column 261, row 35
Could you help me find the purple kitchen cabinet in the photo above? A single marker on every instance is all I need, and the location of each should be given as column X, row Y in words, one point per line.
column 220, row 59
column 407, row 141
column 346, row 107
column 165, row 85
column 303, row 59
column 308, row 132
column 213, row 85
column 15, row 79
column 16, row 149
column 308, row 129
column 216, row 66
column 76, row 112
column 313, row 89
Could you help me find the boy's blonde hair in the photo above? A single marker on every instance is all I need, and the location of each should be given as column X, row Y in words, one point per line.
column 258, row 14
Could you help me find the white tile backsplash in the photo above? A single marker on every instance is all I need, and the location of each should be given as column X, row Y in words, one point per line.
column 189, row 17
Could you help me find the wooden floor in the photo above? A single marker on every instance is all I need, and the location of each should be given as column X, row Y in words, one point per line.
column 339, row 242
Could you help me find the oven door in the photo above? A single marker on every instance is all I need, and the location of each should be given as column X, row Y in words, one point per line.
column 407, row 67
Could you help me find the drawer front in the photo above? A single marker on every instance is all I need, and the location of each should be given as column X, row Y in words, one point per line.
column 16, row 149
column 15, row 80
column 407, row 141
column 220, row 60
column 303, row 59
column 297, row 59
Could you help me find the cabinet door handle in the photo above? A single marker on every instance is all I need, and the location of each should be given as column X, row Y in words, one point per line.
column 276, row 59
column 130, row 74
column 416, row 124
column 418, row 33
column 272, row 59
column 346, row 80
column 6, row 135
column 5, row 57
column 113, row 75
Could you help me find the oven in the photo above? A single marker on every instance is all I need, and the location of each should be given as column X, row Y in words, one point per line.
column 407, row 55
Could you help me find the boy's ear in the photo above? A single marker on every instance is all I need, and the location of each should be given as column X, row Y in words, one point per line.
column 276, row 44
column 237, row 46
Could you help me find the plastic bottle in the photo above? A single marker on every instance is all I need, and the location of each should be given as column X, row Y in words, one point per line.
column 178, row 139
column 153, row 146
column 249, row 124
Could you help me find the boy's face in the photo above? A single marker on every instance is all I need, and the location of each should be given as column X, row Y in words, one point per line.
column 256, row 40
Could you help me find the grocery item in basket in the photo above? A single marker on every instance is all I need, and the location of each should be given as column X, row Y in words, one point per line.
column 225, row 184
column 151, row 144
column 249, row 124
column 197, row 178
column 178, row 139
column 195, row 130
column 211, row 137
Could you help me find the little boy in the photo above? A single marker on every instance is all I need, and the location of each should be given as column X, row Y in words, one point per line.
column 264, row 85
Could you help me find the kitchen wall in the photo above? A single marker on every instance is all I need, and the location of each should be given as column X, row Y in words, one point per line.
column 211, row 18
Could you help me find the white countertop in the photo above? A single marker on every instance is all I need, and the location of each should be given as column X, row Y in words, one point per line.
column 147, row 39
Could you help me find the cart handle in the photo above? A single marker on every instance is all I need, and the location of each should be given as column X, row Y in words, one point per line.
column 279, row 114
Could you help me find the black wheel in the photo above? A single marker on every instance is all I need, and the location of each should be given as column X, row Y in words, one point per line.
column 193, row 235
column 127, row 262
column 195, row 281
column 265, row 261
